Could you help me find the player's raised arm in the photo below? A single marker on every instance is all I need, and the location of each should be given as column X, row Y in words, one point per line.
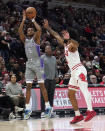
column 38, row 32
column 52, row 32
column 21, row 33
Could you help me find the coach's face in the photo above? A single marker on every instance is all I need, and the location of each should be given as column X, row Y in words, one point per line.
column 65, row 34
column 30, row 32
column 48, row 50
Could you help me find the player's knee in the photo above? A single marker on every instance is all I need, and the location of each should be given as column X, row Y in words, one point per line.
column 41, row 85
column 29, row 86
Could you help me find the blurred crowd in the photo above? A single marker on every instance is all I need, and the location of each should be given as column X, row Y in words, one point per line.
column 85, row 26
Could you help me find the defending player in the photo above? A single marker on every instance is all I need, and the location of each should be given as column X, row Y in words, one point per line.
column 78, row 78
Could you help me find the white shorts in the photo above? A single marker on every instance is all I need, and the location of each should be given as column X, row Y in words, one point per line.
column 77, row 75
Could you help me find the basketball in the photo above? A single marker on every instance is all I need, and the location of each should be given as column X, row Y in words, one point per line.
column 31, row 12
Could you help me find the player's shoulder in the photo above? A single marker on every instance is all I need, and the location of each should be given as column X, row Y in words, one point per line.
column 73, row 45
column 74, row 42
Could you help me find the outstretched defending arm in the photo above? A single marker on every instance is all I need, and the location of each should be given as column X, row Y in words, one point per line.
column 38, row 32
column 52, row 32
column 21, row 33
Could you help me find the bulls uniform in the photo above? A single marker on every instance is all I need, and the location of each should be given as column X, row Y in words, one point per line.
column 79, row 80
column 34, row 65
column 78, row 71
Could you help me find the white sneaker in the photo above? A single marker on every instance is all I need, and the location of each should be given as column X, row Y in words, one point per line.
column 42, row 115
column 11, row 116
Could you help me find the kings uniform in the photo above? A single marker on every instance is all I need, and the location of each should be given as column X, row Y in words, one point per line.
column 34, row 64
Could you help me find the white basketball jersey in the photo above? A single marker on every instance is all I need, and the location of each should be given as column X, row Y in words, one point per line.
column 72, row 58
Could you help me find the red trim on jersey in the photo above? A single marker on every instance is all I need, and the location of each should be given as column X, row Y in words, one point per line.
column 73, row 87
column 77, row 65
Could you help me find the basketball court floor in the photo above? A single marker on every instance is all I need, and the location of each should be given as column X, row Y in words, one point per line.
column 53, row 124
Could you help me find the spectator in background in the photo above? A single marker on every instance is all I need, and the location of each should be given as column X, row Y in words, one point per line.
column 6, row 106
column 61, row 63
column 66, row 78
column 22, row 78
column 6, row 79
column 102, row 64
column 95, row 63
column 51, row 75
column 4, row 46
column 89, row 73
column 16, row 69
column 45, row 8
column 14, row 90
column 98, row 75
column 103, row 81
column 88, row 31
column 1, row 59
column 93, row 79
column 93, row 41
column 88, row 63
column 1, row 65
column 11, row 63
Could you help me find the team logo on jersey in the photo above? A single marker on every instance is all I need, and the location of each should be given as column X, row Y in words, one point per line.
column 82, row 77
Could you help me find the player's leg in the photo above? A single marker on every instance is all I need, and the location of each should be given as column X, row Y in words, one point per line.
column 82, row 82
column 41, row 76
column 43, row 90
column 29, row 75
column 72, row 97
column 46, row 82
column 45, row 96
column 28, row 91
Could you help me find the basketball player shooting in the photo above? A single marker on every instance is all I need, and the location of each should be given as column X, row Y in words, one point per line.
column 78, row 78
column 34, row 65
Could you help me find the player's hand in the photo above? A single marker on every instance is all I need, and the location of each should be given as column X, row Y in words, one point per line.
column 46, row 24
column 24, row 15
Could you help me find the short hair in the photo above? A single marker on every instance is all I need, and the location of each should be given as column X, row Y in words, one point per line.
column 13, row 75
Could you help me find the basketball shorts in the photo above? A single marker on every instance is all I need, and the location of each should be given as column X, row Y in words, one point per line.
column 34, row 69
column 78, row 77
